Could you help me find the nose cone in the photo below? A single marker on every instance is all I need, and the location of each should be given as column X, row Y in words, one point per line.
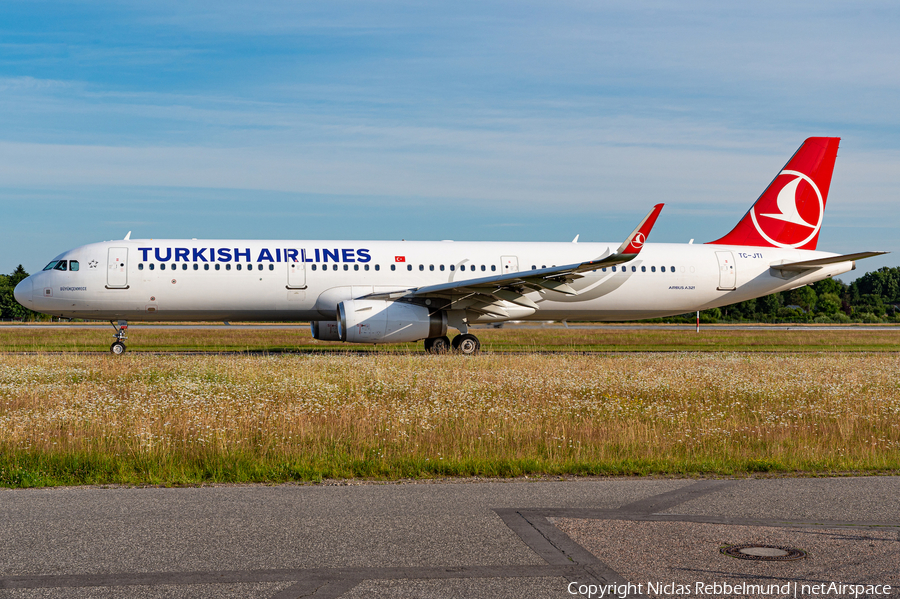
column 24, row 292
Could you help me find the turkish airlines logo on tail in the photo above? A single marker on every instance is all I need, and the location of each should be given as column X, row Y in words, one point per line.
column 792, row 218
column 639, row 240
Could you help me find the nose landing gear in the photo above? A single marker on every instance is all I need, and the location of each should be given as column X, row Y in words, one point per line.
column 118, row 347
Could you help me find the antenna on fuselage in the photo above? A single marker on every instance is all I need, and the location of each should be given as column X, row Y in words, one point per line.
column 128, row 237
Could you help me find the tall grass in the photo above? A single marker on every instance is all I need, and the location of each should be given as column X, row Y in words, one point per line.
column 69, row 419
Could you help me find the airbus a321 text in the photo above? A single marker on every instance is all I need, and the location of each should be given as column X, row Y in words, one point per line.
column 391, row 292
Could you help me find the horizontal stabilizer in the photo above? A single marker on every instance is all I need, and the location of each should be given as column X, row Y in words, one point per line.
column 812, row 264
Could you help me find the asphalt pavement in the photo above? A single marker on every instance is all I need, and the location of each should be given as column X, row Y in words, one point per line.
column 491, row 539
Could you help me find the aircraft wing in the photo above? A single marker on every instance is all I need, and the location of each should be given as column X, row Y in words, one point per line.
column 814, row 264
column 511, row 287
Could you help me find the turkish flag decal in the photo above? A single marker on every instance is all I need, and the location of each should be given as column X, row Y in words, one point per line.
column 399, row 258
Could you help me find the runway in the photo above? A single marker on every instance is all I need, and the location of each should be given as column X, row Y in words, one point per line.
column 496, row 539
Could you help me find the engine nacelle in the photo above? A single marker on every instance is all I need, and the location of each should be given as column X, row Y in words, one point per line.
column 325, row 330
column 381, row 321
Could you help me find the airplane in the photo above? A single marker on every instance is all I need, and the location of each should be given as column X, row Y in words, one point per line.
column 378, row 292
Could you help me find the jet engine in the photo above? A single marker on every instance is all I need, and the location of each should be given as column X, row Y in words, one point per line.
column 325, row 330
column 381, row 321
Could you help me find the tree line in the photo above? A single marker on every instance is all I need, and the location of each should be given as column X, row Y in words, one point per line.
column 873, row 297
column 10, row 309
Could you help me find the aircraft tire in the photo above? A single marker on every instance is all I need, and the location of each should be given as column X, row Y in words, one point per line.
column 428, row 344
column 117, row 348
column 440, row 345
column 468, row 345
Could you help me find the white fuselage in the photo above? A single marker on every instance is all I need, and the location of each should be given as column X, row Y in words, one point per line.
column 172, row 280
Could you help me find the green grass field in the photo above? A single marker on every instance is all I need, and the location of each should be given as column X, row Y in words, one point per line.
column 526, row 338
column 74, row 418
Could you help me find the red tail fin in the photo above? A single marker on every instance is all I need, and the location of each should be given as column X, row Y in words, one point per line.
column 789, row 212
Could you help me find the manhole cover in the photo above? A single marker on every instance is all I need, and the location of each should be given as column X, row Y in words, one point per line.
column 769, row 553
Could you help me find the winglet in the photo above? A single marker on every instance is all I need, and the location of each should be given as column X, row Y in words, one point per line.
column 633, row 243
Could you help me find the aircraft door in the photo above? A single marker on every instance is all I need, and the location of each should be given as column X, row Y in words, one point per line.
column 117, row 268
column 296, row 275
column 727, row 273
column 509, row 264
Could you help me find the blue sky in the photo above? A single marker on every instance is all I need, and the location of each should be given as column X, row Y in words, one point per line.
column 462, row 120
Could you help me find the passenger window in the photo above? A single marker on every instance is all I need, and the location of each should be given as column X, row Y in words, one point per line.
column 431, row 267
column 643, row 269
column 652, row 269
column 356, row 267
column 271, row 266
column 493, row 267
column 603, row 269
column 151, row 266
column 442, row 267
column 421, row 267
column 672, row 268
column 238, row 266
column 533, row 267
column 50, row 266
column 61, row 265
column 228, row 267
column 482, row 268
column 205, row 267
column 141, row 266
column 377, row 266
column 184, row 266
column 409, row 267
column 452, row 267
column 218, row 266
column 473, row 267
column 634, row 269
column 313, row 266
column 196, row 267
column 73, row 265
column 393, row 267
column 162, row 266
column 346, row 267
column 543, row 266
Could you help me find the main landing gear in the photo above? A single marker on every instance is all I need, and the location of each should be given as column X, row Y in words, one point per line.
column 465, row 344
column 118, row 347
column 438, row 345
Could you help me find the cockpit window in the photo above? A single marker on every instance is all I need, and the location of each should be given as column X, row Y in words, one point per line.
column 51, row 265
column 73, row 265
column 61, row 265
